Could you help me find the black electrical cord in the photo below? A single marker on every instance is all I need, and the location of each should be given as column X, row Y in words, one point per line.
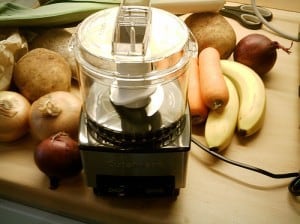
column 294, row 186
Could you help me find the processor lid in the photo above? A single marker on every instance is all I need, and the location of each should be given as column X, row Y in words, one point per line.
column 135, row 49
column 133, row 39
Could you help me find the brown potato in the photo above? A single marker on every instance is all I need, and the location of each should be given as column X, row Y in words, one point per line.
column 41, row 71
column 212, row 30
column 58, row 40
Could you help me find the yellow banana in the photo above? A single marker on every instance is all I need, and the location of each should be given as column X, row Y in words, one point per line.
column 220, row 125
column 252, row 96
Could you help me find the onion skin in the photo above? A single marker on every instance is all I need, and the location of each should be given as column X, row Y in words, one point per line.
column 55, row 112
column 257, row 52
column 14, row 113
column 58, row 157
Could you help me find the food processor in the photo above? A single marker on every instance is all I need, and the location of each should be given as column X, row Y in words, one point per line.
column 135, row 129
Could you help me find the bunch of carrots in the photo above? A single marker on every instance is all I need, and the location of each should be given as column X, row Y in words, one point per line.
column 207, row 87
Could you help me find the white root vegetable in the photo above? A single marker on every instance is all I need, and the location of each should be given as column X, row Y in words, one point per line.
column 16, row 44
column 12, row 47
column 6, row 67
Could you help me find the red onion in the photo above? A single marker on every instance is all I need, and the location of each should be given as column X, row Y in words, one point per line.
column 58, row 157
column 258, row 52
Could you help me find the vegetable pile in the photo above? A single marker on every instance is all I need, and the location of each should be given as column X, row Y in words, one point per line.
column 36, row 99
column 35, row 95
column 213, row 74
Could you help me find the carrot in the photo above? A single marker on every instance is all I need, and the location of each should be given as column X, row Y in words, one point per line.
column 213, row 89
column 198, row 109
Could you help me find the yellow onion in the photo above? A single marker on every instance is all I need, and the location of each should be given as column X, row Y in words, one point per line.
column 14, row 112
column 55, row 112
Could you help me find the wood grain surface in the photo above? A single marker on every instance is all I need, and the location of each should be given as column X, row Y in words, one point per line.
column 216, row 192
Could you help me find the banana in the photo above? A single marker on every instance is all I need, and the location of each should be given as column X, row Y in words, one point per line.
column 220, row 125
column 252, row 96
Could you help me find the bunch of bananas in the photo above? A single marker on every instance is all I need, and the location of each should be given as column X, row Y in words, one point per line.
column 245, row 110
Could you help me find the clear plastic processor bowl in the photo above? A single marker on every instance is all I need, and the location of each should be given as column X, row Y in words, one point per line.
column 132, row 65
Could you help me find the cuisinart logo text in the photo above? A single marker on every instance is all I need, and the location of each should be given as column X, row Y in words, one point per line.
column 134, row 164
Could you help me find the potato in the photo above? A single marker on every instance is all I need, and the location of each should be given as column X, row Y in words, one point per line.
column 212, row 30
column 58, row 40
column 41, row 71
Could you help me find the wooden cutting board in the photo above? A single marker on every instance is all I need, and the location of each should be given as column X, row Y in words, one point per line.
column 216, row 192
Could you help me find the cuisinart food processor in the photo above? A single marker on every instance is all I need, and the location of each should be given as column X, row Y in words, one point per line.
column 135, row 130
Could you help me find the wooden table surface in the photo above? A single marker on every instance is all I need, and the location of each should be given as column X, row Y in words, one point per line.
column 216, row 192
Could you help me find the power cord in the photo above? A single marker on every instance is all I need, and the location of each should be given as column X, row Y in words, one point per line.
column 271, row 27
column 294, row 186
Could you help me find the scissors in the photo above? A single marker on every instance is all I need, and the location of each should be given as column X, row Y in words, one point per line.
column 245, row 15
